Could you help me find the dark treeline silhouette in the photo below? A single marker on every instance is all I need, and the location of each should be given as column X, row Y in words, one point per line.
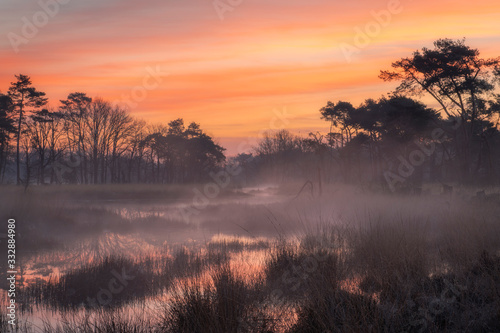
column 91, row 141
column 396, row 142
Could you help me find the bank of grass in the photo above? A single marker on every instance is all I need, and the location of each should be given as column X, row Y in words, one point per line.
column 108, row 192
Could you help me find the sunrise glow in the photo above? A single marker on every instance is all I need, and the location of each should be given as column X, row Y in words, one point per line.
column 229, row 68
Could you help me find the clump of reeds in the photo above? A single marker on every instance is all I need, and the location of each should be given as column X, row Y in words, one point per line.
column 338, row 311
column 110, row 282
column 390, row 258
column 224, row 305
column 188, row 262
column 3, row 321
column 304, row 269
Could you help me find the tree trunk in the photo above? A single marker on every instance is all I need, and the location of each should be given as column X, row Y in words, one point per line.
column 18, row 175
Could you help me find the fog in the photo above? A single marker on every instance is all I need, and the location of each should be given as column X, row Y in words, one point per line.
column 60, row 230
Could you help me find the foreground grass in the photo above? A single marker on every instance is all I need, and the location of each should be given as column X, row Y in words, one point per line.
column 306, row 286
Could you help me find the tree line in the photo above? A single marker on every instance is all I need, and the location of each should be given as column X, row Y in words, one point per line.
column 397, row 141
column 91, row 141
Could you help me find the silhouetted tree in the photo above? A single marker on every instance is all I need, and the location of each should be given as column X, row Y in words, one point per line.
column 23, row 96
column 204, row 155
column 6, row 129
column 340, row 116
column 44, row 131
column 457, row 78
column 181, row 154
column 75, row 110
column 282, row 155
column 119, row 134
column 396, row 119
column 392, row 124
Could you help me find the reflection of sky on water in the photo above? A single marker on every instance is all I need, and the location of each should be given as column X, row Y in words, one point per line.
column 253, row 217
column 247, row 264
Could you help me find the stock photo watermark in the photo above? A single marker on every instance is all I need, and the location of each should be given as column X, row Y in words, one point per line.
column 115, row 286
column 31, row 26
column 151, row 81
column 61, row 170
column 365, row 35
column 437, row 306
column 11, row 272
column 224, row 6
column 416, row 158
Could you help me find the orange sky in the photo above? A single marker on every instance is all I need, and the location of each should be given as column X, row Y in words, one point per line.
column 230, row 75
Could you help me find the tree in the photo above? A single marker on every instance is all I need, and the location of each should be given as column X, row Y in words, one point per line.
column 157, row 146
column 45, row 132
column 380, row 129
column 137, row 148
column 280, row 153
column 121, row 127
column 340, row 116
column 457, row 78
column 6, row 129
column 392, row 125
column 75, row 109
column 180, row 154
column 176, row 127
column 397, row 119
column 23, row 96
column 203, row 154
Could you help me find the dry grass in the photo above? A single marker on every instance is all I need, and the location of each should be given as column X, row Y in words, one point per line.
column 103, row 321
column 225, row 304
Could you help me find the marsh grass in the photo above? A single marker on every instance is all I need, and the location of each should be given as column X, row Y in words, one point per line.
column 3, row 321
column 101, row 321
column 224, row 243
column 338, row 311
column 390, row 258
column 21, row 325
column 129, row 279
column 108, row 283
column 376, row 263
column 299, row 274
column 398, row 291
column 224, row 304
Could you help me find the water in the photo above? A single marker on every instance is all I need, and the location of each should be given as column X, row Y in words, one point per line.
column 158, row 231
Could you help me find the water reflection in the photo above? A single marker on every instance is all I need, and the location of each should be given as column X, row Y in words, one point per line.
column 70, row 283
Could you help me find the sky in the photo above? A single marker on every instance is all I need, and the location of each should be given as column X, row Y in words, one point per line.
column 237, row 67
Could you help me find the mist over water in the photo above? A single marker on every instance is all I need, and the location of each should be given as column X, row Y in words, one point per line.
column 240, row 229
